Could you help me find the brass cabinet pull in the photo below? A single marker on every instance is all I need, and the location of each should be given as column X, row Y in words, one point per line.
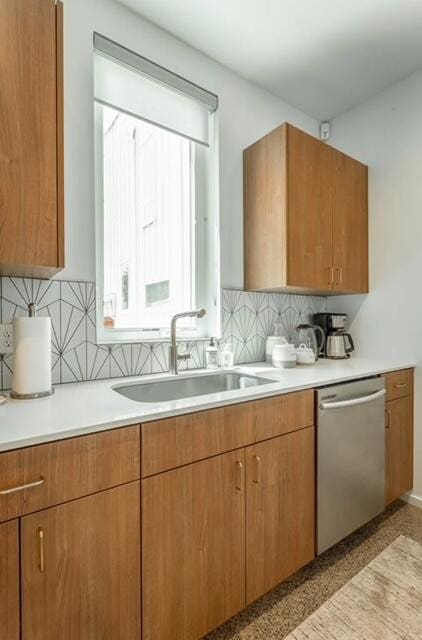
column 22, row 487
column 239, row 483
column 388, row 421
column 258, row 469
column 400, row 385
column 41, row 560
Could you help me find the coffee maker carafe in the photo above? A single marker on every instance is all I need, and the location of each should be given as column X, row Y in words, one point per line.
column 338, row 343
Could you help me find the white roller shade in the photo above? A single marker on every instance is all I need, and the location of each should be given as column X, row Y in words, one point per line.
column 119, row 84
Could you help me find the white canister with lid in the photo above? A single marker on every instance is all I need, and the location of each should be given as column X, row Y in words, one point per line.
column 305, row 355
column 284, row 355
column 270, row 344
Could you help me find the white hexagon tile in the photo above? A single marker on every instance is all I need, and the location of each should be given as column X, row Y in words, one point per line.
column 247, row 319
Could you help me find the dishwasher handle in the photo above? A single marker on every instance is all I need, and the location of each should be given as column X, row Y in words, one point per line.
column 354, row 402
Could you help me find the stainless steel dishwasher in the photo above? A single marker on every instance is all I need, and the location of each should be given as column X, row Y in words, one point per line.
column 350, row 458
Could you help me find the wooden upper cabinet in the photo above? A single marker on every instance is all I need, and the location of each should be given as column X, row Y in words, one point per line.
column 31, row 137
column 9, row 581
column 309, row 212
column 350, row 224
column 265, row 211
column 81, row 568
column 305, row 216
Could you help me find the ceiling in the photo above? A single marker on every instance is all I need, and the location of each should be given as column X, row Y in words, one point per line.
column 323, row 56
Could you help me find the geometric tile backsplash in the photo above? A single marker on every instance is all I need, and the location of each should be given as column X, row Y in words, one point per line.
column 248, row 318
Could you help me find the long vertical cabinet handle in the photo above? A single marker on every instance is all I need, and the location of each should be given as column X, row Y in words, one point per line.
column 239, row 481
column 41, row 556
column 331, row 275
column 388, row 416
column 257, row 478
column 339, row 278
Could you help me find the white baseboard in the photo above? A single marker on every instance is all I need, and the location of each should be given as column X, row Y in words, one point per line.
column 413, row 499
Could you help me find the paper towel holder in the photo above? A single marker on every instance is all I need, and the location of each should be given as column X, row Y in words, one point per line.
column 32, row 312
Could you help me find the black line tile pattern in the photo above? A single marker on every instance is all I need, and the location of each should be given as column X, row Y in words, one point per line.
column 247, row 319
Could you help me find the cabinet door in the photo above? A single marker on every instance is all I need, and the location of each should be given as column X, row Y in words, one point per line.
column 280, row 510
column 29, row 137
column 399, row 447
column 9, row 580
column 81, row 568
column 309, row 212
column 193, row 541
column 350, row 224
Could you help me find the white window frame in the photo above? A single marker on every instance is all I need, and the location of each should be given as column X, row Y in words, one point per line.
column 206, row 278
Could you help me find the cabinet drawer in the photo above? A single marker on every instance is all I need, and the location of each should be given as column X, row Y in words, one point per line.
column 173, row 442
column 399, row 384
column 60, row 471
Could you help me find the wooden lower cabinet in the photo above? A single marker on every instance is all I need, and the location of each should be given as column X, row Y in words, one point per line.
column 193, row 543
column 399, row 447
column 9, row 580
column 81, row 568
column 218, row 534
column 280, row 510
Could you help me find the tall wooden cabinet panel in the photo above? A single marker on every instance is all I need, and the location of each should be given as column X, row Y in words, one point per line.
column 265, row 210
column 309, row 212
column 193, row 545
column 9, row 580
column 81, row 568
column 399, row 447
column 280, row 510
column 350, row 224
column 31, row 129
column 305, row 216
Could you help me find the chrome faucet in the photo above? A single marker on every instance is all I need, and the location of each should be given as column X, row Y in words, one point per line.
column 173, row 355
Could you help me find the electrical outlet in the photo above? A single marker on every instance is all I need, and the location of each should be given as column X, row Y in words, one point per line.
column 6, row 338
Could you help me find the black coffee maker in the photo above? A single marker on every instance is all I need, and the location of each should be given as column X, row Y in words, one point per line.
column 338, row 343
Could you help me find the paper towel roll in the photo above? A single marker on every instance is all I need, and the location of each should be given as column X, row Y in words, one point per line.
column 32, row 361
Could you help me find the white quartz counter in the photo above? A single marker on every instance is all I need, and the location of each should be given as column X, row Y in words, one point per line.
column 86, row 407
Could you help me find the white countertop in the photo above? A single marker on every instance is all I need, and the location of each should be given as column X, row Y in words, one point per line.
column 86, row 407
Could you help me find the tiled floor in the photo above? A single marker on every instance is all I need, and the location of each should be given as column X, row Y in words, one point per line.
column 283, row 609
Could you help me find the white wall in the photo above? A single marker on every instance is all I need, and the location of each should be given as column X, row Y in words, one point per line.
column 246, row 113
column 386, row 133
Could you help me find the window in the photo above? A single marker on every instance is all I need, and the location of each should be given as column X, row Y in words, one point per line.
column 156, row 198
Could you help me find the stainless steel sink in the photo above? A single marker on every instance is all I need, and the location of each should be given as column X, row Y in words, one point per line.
column 188, row 387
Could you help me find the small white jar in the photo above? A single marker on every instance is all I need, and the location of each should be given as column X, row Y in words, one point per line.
column 284, row 355
column 270, row 344
column 305, row 355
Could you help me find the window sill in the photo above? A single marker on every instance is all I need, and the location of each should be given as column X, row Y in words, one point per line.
column 134, row 336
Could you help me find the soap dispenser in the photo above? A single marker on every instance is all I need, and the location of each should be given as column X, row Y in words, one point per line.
column 211, row 355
